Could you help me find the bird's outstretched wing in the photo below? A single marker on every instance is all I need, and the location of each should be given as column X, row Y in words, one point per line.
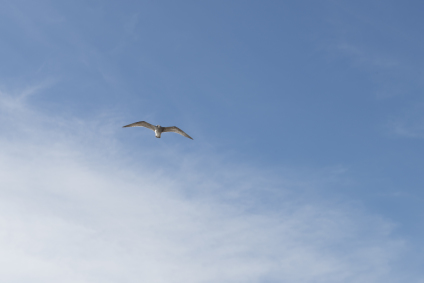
column 141, row 124
column 176, row 130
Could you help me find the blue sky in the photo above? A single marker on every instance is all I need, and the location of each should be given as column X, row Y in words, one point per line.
column 306, row 163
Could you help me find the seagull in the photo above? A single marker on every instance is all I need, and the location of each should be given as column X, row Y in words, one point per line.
column 158, row 129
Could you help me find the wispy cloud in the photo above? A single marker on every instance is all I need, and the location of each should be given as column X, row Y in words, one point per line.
column 75, row 208
column 410, row 123
column 375, row 44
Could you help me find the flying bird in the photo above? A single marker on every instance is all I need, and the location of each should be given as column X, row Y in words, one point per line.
column 158, row 129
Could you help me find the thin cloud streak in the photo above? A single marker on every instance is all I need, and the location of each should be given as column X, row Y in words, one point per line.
column 409, row 123
column 72, row 209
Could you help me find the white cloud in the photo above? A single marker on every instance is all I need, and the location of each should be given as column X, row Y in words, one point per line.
column 408, row 123
column 75, row 208
column 408, row 129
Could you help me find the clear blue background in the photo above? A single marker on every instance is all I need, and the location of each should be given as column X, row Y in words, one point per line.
column 305, row 85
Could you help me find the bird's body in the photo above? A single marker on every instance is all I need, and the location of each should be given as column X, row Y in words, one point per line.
column 158, row 129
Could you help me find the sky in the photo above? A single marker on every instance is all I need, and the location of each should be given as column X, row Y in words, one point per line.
column 307, row 159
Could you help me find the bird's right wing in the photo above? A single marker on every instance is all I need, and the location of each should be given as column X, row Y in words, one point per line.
column 141, row 124
column 176, row 130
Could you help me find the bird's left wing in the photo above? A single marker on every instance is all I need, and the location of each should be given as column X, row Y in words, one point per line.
column 176, row 130
column 141, row 124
